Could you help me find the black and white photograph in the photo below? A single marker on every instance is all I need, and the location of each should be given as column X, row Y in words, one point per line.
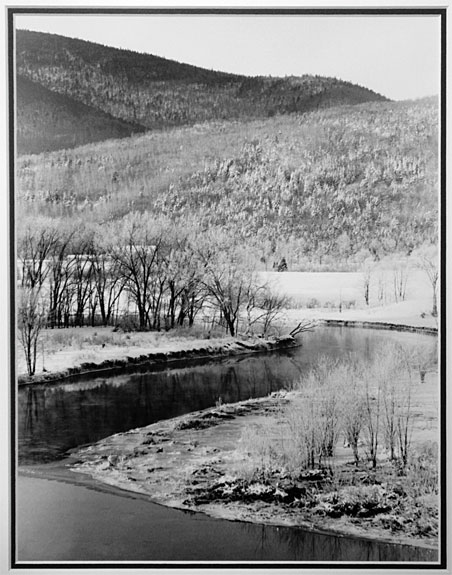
column 226, row 253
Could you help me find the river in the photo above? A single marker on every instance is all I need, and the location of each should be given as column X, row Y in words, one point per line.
column 64, row 521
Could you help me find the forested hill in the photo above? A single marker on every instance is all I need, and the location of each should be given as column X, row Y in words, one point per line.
column 48, row 121
column 323, row 188
column 153, row 92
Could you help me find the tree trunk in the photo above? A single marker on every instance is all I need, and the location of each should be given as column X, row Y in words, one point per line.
column 435, row 305
column 141, row 316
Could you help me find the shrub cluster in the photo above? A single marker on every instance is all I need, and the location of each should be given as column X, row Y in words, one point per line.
column 365, row 404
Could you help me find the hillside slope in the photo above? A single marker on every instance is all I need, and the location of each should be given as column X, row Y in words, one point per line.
column 48, row 121
column 316, row 188
column 156, row 93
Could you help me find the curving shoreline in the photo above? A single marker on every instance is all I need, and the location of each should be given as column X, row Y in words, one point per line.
column 156, row 460
column 380, row 325
column 179, row 462
column 158, row 359
column 205, row 350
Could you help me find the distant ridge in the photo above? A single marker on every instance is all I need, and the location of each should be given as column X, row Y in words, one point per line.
column 48, row 121
column 146, row 92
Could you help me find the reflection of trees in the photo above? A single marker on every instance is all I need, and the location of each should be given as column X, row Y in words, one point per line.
column 262, row 542
column 295, row 544
column 64, row 416
column 31, row 409
column 230, row 387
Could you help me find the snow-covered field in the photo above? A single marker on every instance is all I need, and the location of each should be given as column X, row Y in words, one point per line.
column 345, row 287
column 340, row 295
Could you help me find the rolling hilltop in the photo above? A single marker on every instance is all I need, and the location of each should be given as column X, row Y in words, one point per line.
column 48, row 121
column 127, row 92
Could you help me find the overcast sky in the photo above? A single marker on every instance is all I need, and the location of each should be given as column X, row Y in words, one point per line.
column 397, row 56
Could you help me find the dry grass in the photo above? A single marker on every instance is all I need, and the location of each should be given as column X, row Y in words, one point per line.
column 60, row 349
column 82, row 338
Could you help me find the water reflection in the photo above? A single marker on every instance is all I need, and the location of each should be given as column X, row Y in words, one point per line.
column 63, row 522
column 305, row 545
column 53, row 419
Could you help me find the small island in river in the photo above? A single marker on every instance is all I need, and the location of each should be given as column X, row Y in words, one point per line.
column 244, row 461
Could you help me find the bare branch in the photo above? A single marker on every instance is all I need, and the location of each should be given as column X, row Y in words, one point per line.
column 303, row 326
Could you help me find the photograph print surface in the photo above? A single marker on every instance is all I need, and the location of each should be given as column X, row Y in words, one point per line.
column 226, row 297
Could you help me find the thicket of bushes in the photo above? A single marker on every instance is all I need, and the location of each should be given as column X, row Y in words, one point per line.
column 366, row 405
column 301, row 456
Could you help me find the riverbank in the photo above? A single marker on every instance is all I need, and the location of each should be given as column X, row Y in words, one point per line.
column 196, row 462
column 403, row 315
column 66, row 353
column 127, row 351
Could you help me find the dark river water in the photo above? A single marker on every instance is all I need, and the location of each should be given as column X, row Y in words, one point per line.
column 61, row 521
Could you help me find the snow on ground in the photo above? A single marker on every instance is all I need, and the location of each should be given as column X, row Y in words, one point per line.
column 340, row 295
column 322, row 286
column 413, row 313
column 347, row 287
column 64, row 348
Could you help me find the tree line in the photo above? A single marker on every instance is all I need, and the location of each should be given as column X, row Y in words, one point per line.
column 139, row 272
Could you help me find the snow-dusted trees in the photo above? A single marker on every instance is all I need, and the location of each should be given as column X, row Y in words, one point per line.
column 228, row 279
column 108, row 281
column 31, row 319
column 367, row 402
column 36, row 240
column 148, row 271
column 426, row 258
column 318, row 193
column 137, row 254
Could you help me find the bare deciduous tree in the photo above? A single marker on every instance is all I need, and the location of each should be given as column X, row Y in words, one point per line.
column 228, row 278
column 108, row 281
column 368, row 270
column 426, row 258
column 136, row 255
column 61, row 281
column 270, row 306
column 35, row 243
column 372, row 415
column 31, row 319
column 353, row 405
